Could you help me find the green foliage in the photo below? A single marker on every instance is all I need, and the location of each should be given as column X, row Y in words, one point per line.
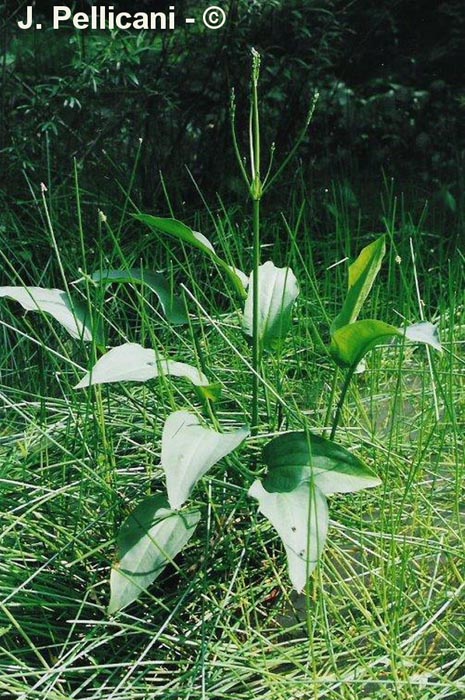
column 188, row 451
column 351, row 340
column 80, row 93
column 74, row 464
column 181, row 232
column 71, row 314
column 172, row 306
column 278, row 290
column 148, row 540
column 302, row 467
column 296, row 458
column 131, row 362
column 63, row 501
column 351, row 343
column 362, row 274
column 300, row 517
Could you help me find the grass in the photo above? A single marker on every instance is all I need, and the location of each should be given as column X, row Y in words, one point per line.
column 384, row 615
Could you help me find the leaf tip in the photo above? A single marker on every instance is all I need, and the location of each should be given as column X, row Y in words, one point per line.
column 424, row 332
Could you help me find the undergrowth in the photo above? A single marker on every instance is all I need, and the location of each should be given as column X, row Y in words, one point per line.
column 383, row 614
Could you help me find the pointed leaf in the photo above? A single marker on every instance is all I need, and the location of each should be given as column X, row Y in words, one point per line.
column 173, row 306
column 131, row 362
column 362, row 274
column 300, row 518
column 188, row 451
column 350, row 343
column 234, row 270
column 242, row 277
column 72, row 315
column 148, row 540
column 423, row 332
column 278, row 289
column 299, row 457
column 181, row 232
column 203, row 240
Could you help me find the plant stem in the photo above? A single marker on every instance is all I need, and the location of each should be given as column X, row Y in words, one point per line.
column 234, row 138
column 332, row 394
column 340, row 403
column 256, row 194
column 296, row 146
column 255, row 336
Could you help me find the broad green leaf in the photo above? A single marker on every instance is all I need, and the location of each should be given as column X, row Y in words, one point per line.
column 423, row 332
column 72, row 315
column 148, row 540
column 277, row 291
column 188, row 451
column 176, row 229
column 173, row 306
column 362, row 274
column 350, row 343
column 300, row 518
column 298, row 457
column 131, row 362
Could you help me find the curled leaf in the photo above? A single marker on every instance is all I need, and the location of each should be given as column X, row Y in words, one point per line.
column 423, row 332
column 132, row 362
column 172, row 305
column 350, row 343
column 72, row 315
column 176, row 229
column 277, row 291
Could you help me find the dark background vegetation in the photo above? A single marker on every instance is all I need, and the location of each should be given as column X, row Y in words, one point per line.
column 390, row 75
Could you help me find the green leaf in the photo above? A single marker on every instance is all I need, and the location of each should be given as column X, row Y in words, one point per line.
column 188, row 451
column 131, row 362
column 362, row 274
column 350, row 343
column 299, row 457
column 176, row 229
column 148, row 540
column 173, row 306
column 278, row 289
column 211, row 392
column 300, row 518
column 71, row 314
